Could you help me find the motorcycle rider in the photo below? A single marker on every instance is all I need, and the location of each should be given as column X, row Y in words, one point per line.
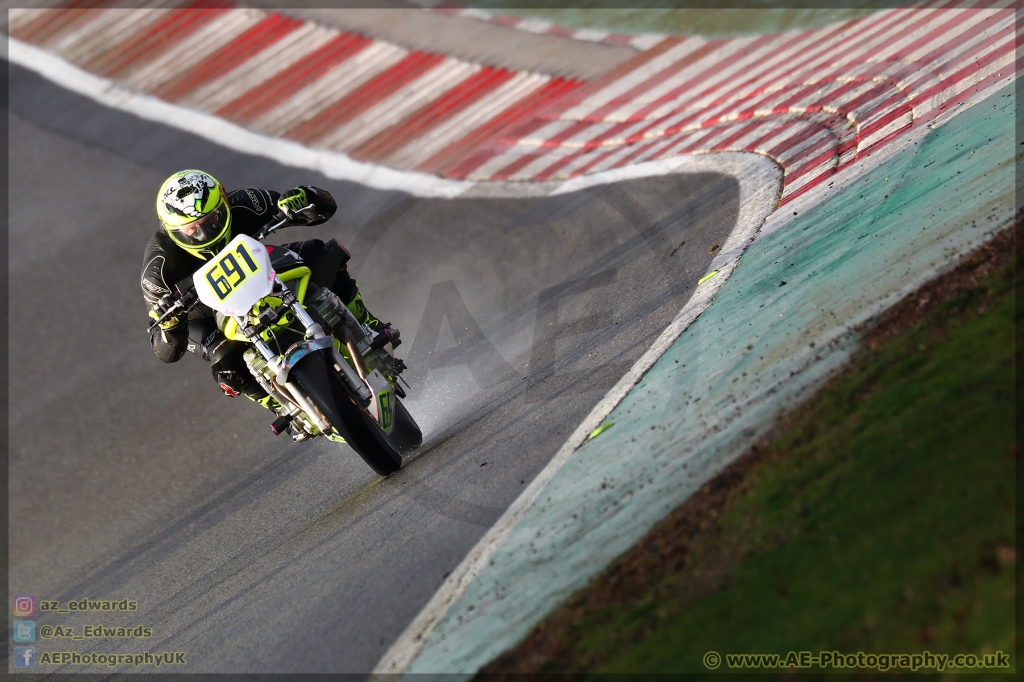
column 197, row 219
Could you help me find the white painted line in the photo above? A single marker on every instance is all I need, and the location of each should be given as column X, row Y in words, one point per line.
column 657, row 144
column 644, row 41
column 331, row 164
column 225, row 133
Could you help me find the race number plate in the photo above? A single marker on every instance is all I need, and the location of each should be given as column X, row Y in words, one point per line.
column 383, row 407
column 236, row 278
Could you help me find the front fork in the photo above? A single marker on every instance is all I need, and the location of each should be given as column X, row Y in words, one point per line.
column 316, row 339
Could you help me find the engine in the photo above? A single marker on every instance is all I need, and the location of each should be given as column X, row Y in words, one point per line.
column 258, row 365
column 328, row 306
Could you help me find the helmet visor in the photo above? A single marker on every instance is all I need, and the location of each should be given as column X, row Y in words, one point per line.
column 203, row 231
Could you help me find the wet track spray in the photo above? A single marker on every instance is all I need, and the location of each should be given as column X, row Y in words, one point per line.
column 135, row 479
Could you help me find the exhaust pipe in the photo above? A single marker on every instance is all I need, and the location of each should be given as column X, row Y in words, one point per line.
column 351, row 379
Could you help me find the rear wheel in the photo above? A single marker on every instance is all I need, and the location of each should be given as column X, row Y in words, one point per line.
column 352, row 422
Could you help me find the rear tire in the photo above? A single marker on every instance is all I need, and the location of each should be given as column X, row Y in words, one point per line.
column 353, row 423
column 406, row 435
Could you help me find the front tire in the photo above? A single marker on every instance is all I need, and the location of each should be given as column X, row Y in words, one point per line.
column 406, row 435
column 353, row 423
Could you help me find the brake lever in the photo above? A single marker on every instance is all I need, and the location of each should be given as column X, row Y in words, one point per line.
column 276, row 223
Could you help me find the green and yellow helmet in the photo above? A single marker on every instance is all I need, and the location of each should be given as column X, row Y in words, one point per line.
column 193, row 209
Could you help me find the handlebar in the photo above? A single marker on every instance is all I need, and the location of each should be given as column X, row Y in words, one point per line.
column 170, row 311
column 276, row 223
column 183, row 301
column 281, row 219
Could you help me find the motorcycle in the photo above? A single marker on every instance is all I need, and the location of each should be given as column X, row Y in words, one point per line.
column 333, row 375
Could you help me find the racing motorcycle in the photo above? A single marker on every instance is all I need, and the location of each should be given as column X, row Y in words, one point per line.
column 334, row 376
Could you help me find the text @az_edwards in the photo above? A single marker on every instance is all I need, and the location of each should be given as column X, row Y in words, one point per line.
column 860, row 660
column 95, row 632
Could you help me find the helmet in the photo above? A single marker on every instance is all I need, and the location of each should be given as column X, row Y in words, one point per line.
column 193, row 209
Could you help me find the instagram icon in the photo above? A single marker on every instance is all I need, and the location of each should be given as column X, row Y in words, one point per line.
column 24, row 605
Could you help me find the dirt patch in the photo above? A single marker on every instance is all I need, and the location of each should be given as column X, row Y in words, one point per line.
column 972, row 268
column 639, row 577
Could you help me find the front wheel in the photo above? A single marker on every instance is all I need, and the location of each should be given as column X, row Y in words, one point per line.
column 354, row 424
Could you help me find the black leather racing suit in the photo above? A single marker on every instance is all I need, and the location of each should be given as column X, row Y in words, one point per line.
column 165, row 264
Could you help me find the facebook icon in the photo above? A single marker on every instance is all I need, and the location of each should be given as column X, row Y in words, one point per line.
column 24, row 657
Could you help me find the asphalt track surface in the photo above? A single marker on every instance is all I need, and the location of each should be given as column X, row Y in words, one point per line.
column 134, row 479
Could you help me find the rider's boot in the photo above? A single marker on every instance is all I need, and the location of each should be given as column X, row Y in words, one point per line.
column 362, row 314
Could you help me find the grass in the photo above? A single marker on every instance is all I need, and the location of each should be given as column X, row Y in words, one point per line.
column 879, row 519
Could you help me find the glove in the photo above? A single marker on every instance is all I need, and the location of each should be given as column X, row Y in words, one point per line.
column 293, row 201
column 161, row 307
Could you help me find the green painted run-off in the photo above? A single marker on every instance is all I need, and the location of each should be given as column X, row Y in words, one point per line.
column 781, row 323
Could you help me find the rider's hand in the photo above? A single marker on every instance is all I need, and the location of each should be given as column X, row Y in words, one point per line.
column 291, row 202
column 161, row 307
